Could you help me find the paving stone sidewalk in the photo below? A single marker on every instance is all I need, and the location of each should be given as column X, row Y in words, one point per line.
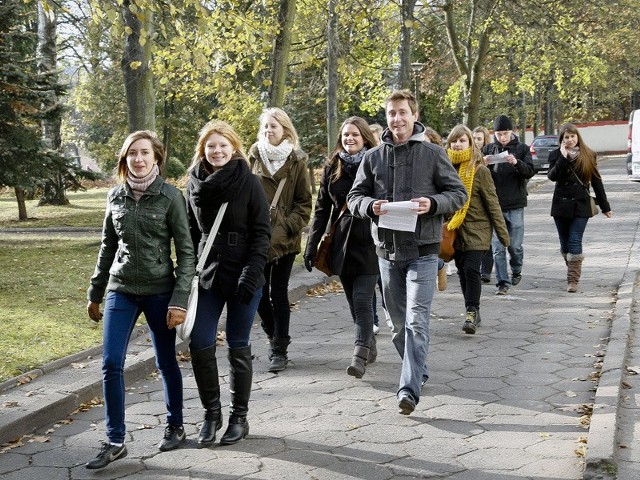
column 510, row 402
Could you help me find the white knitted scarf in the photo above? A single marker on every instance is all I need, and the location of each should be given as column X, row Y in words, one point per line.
column 274, row 156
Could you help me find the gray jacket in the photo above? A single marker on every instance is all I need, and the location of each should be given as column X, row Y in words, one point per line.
column 399, row 173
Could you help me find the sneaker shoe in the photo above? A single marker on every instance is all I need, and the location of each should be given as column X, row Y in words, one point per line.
column 515, row 279
column 108, row 453
column 173, row 437
column 485, row 278
column 502, row 290
column 406, row 405
column 376, row 329
column 441, row 280
column 449, row 268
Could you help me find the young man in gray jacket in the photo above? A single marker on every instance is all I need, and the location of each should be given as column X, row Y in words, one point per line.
column 406, row 167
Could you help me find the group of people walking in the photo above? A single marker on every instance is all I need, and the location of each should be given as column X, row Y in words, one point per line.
column 262, row 201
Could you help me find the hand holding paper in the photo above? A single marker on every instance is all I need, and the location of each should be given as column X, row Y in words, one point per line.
column 401, row 216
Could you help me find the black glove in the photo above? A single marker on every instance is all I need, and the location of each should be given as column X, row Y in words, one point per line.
column 308, row 262
column 244, row 293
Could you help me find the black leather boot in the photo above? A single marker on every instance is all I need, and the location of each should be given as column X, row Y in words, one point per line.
column 358, row 362
column 240, row 378
column 205, row 371
column 278, row 354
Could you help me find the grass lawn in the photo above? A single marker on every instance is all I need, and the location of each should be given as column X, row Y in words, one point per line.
column 86, row 209
column 43, row 281
column 42, row 299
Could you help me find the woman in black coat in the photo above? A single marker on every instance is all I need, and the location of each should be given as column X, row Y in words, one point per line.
column 220, row 173
column 353, row 255
column 573, row 167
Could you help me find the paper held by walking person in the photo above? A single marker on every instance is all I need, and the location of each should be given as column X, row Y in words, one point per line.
column 400, row 216
column 497, row 158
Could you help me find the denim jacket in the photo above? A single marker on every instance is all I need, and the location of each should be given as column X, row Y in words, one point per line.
column 135, row 251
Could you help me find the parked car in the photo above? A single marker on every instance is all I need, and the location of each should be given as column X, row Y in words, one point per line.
column 540, row 148
column 633, row 146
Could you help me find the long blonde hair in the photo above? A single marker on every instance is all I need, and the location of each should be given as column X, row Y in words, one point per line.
column 586, row 159
column 280, row 116
column 223, row 129
column 460, row 131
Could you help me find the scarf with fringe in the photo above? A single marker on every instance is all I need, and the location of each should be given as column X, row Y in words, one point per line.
column 274, row 156
column 467, row 173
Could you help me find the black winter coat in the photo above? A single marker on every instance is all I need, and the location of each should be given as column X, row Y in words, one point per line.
column 242, row 243
column 359, row 251
column 570, row 198
column 511, row 180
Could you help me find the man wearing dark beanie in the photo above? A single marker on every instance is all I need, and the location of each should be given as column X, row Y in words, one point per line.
column 510, row 178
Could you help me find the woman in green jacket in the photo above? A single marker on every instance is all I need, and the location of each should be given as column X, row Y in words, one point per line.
column 285, row 179
column 144, row 214
column 475, row 221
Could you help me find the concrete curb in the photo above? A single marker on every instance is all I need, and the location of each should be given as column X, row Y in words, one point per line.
column 601, row 447
column 57, row 388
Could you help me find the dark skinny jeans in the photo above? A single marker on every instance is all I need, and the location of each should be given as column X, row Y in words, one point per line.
column 359, row 291
column 274, row 308
column 468, row 264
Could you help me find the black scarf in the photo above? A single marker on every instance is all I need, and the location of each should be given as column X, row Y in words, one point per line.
column 209, row 191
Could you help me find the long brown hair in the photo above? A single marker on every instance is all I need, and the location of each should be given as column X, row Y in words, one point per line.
column 368, row 138
column 586, row 159
column 122, row 169
column 460, row 131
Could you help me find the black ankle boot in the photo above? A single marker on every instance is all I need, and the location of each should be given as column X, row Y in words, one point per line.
column 212, row 423
column 238, row 429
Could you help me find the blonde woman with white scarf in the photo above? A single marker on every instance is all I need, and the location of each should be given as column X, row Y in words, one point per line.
column 475, row 221
column 275, row 161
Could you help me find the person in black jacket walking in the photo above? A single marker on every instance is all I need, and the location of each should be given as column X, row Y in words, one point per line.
column 220, row 173
column 353, row 255
column 573, row 167
column 510, row 178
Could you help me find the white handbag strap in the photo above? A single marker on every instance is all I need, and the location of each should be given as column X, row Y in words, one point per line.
column 211, row 238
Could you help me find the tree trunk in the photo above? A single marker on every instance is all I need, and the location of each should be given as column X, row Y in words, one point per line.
column 404, row 70
column 136, row 63
column 54, row 190
column 281, row 49
column 22, row 206
column 332, row 77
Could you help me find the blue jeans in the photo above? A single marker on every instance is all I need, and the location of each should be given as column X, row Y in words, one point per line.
column 238, row 325
column 570, row 231
column 515, row 225
column 121, row 311
column 274, row 308
column 408, row 288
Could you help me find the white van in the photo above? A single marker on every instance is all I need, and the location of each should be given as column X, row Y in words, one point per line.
column 633, row 146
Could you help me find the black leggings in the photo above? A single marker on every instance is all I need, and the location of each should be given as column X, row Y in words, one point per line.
column 468, row 264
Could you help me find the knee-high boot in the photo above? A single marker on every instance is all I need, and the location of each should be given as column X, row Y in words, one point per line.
column 574, row 270
column 205, row 371
column 240, row 378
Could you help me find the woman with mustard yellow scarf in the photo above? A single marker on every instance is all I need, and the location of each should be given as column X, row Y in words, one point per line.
column 475, row 221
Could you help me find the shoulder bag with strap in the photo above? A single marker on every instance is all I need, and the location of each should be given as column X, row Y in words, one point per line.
column 184, row 329
column 592, row 200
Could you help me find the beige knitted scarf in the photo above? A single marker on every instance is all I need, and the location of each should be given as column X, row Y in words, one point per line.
column 467, row 173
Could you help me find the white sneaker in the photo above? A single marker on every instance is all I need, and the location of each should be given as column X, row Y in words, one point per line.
column 376, row 329
column 449, row 268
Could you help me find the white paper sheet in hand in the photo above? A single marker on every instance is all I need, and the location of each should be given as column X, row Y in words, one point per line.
column 399, row 216
column 497, row 158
